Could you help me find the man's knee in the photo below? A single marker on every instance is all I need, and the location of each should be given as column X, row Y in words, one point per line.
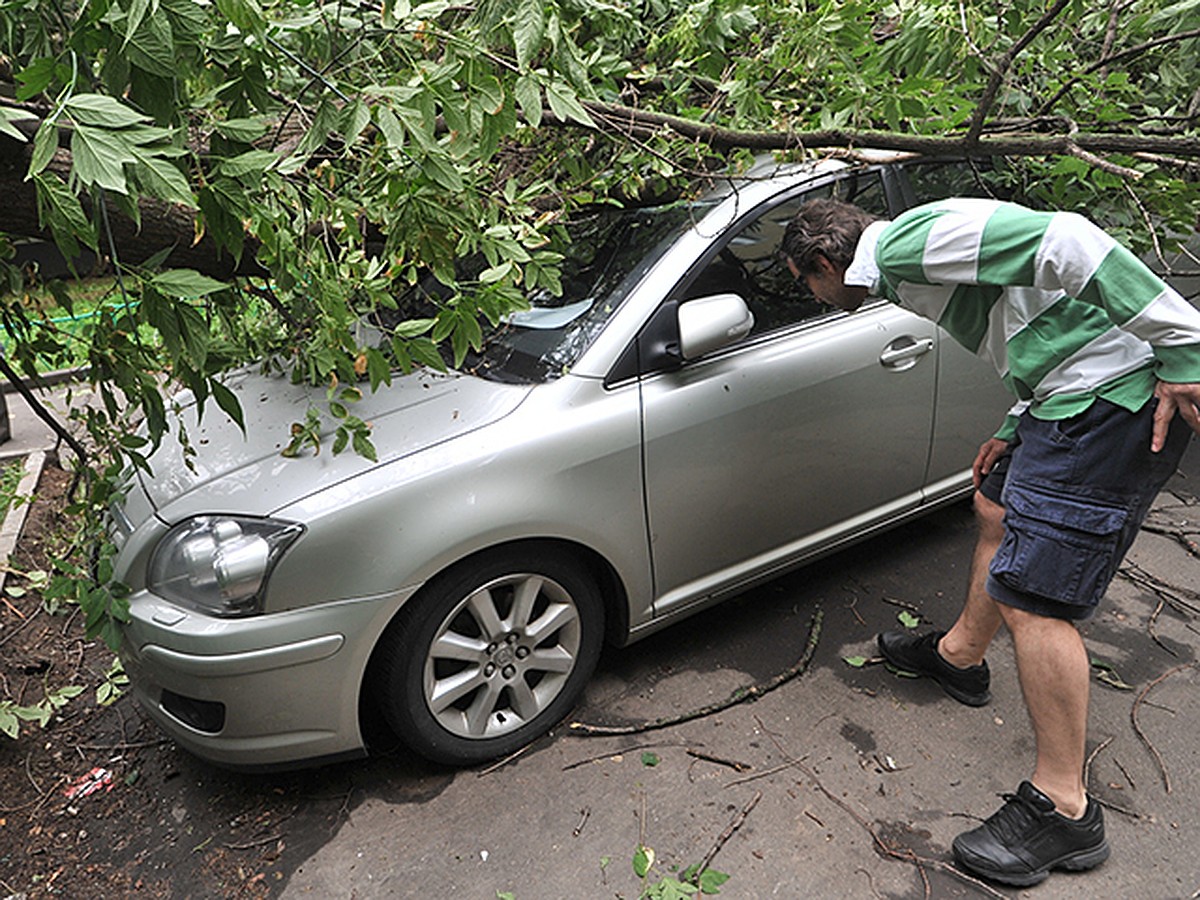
column 1019, row 621
column 990, row 517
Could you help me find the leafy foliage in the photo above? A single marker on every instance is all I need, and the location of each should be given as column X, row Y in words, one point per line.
column 327, row 160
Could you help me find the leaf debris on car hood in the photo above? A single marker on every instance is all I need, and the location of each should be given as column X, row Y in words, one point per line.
column 235, row 472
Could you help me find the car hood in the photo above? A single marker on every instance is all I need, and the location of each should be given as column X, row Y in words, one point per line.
column 246, row 473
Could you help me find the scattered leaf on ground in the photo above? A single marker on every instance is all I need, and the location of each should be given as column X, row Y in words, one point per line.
column 643, row 859
column 1107, row 674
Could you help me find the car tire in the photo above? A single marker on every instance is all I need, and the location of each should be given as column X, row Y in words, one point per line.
column 491, row 654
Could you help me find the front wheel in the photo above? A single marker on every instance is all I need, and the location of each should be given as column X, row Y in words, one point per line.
column 491, row 654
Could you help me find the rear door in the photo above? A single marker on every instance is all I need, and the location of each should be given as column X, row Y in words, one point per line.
column 814, row 428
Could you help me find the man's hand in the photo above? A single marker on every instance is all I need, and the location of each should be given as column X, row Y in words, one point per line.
column 986, row 457
column 1172, row 398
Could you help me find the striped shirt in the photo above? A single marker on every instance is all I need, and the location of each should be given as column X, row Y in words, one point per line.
column 1064, row 312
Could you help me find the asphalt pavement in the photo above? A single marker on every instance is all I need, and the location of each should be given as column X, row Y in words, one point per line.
column 844, row 781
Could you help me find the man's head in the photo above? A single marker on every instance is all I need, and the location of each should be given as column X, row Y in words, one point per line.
column 818, row 245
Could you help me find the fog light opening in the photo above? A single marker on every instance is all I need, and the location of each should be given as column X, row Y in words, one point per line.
column 203, row 715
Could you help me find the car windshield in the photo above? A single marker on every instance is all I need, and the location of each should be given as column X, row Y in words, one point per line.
column 610, row 250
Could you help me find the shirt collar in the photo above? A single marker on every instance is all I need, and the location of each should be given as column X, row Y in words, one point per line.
column 863, row 271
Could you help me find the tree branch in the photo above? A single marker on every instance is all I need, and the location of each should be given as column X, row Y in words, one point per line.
column 1001, row 69
column 1103, row 61
column 644, row 123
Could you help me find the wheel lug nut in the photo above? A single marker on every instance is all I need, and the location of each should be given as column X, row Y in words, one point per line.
column 522, row 652
column 489, row 670
column 511, row 639
column 509, row 671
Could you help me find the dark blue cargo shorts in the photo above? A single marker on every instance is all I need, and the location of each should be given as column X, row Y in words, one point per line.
column 1074, row 494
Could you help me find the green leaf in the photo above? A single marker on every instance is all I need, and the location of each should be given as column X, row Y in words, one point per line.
column 363, row 446
column 528, row 31
column 244, row 131
column 161, row 179
column 186, row 283
column 252, row 162
column 99, row 158
column 60, row 209
column 907, row 619
column 194, row 330
column 1108, row 675
column 489, row 92
column 357, row 118
column 102, row 111
column 228, row 402
column 711, row 881
column 444, row 172
column 8, row 116
column 247, row 15
column 341, row 439
column 152, row 47
column 856, row 661
column 643, row 859
column 411, row 328
column 528, row 94
column 650, row 760
column 9, row 724
column 35, row 78
column 378, row 369
column 45, row 142
column 390, row 127
column 901, row 673
column 137, row 12
column 564, row 103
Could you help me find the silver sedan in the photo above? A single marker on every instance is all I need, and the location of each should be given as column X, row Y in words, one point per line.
column 681, row 423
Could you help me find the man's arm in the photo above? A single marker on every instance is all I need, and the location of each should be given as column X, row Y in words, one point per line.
column 1172, row 398
column 986, row 458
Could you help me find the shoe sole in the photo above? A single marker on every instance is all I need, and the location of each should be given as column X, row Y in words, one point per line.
column 1080, row 861
column 963, row 697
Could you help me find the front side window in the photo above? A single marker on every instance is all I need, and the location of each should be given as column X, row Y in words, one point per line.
column 749, row 263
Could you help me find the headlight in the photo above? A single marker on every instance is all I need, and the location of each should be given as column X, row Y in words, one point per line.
column 219, row 564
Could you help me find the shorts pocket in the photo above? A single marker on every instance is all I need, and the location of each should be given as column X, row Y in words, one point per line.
column 1058, row 547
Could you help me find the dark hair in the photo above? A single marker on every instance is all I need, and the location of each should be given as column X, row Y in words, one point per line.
column 825, row 227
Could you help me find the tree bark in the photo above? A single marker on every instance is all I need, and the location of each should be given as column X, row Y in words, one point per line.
column 162, row 224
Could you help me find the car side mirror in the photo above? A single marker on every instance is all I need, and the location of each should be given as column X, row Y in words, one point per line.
column 710, row 323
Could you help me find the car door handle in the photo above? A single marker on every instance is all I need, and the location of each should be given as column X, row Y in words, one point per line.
column 904, row 352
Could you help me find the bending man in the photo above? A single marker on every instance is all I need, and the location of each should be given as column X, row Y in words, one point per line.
column 1104, row 360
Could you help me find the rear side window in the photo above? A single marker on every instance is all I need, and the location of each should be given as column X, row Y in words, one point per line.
column 931, row 180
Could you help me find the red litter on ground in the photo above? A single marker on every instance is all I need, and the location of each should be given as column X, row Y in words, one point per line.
column 90, row 783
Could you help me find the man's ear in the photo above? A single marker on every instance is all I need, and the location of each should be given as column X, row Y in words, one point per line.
column 824, row 266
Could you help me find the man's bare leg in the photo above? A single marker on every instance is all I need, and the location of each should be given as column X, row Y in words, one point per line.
column 1052, row 664
column 968, row 639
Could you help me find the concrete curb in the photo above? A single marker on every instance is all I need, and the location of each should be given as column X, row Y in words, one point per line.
column 14, row 521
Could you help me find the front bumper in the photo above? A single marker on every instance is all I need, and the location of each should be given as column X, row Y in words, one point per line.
column 260, row 691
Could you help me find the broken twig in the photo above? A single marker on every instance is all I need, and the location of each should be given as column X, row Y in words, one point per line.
column 731, row 763
column 583, row 817
column 753, row 692
column 725, row 835
column 615, row 753
column 1133, row 716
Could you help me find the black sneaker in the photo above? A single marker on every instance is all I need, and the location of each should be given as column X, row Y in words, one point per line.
column 918, row 653
column 1023, row 840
